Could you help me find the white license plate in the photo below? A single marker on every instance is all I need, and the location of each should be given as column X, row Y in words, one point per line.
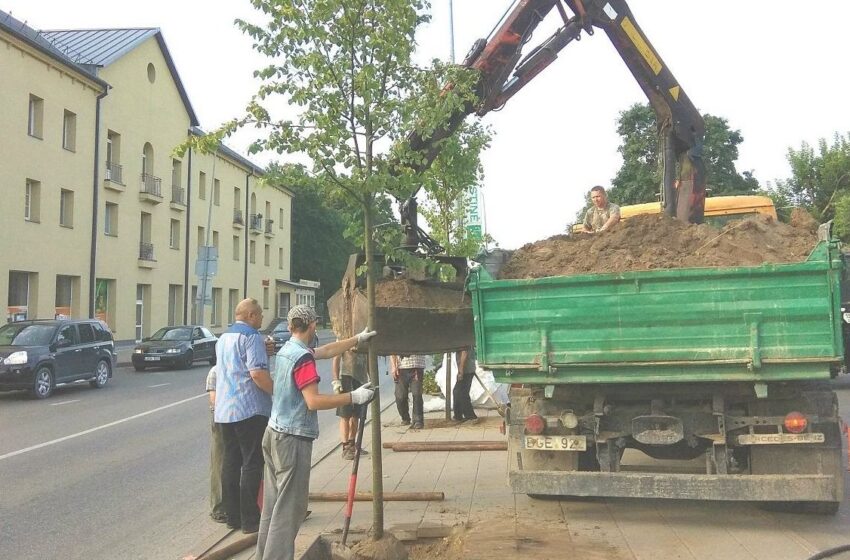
column 151, row 358
column 556, row 443
column 768, row 439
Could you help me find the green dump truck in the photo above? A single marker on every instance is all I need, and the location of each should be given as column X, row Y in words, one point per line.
column 720, row 375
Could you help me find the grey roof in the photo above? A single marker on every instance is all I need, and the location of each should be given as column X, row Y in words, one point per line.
column 102, row 47
column 228, row 152
column 40, row 41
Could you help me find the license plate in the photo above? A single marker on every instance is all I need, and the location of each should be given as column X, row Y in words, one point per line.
column 556, row 443
column 768, row 439
column 151, row 358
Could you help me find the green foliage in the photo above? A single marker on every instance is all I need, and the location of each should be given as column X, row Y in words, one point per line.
column 820, row 182
column 429, row 383
column 639, row 178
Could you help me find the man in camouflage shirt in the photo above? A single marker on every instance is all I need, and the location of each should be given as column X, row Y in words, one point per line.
column 603, row 214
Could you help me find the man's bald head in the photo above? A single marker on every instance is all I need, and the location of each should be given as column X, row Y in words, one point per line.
column 249, row 311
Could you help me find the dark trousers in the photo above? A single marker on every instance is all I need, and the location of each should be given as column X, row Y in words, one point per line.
column 409, row 381
column 216, row 461
column 242, row 470
column 461, row 403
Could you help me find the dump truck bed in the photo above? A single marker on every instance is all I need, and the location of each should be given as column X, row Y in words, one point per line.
column 764, row 323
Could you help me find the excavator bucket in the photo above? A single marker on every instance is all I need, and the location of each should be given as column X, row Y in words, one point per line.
column 412, row 316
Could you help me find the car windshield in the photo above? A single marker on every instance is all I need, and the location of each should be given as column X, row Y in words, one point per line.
column 281, row 328
column 26, row 335
column 170, row 333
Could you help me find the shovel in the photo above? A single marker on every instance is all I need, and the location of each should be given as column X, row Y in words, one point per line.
column 338, row 550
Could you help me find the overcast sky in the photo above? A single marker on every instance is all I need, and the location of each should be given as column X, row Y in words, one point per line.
column 778, row 73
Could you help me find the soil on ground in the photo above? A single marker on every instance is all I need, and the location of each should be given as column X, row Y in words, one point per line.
column 387, row 548
column 654, row 241
column 420, row 294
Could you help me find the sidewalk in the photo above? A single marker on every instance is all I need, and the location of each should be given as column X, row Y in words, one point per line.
column 474, row 484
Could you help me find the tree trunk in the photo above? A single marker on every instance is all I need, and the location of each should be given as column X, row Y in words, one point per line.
column 377, row 466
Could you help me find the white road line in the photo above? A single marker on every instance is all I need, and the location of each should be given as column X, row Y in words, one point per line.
column 64, row 402
column 109, row 425
column 160, row 385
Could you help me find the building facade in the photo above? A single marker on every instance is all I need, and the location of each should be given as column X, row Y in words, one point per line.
column 102, row 217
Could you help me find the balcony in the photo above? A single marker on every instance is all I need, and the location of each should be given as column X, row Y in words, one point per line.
column 238, row 220
column 269, row 228
column 178, row 198
column 146, row 259
column 256, row 223
column 150, row 188
column 114, row 178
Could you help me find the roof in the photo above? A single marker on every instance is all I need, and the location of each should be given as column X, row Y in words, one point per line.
column 230, row 153
column 41, row 42
column 102, row 47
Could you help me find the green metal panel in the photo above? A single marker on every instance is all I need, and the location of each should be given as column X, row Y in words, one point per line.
column 762, row 323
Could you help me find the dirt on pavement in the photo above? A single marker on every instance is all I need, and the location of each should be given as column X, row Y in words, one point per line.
column 656, row 241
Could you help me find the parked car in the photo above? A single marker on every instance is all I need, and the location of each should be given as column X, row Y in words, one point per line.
column 175, row 346
column 38, row 355
column 280, row 333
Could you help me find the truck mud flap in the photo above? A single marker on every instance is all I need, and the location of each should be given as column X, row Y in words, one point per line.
column 747, row 488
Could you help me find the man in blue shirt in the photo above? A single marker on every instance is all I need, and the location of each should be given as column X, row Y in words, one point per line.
column 242, row 407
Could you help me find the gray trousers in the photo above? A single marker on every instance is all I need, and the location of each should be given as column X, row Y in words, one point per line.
column 410, row 381
column 216, row 460
column 285, row 490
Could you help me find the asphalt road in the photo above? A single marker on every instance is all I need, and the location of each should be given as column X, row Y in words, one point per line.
column 120, row 472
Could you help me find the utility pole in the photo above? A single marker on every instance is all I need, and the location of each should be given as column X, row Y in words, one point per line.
column 206, row 266
column 451, row 32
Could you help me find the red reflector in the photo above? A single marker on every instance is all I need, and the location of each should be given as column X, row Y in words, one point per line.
column 795, row 422
column 534, row 424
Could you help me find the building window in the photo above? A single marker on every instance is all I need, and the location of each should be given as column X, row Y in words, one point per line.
column 201, row 237
column 237, row 244
column 174, row 237
column 113, row 157
column 215, row 240
column 66, row 208
column 175, row 304
column 66, row 304
column 194, row 304
column 280, row 219
column 232, row 300
column 237, row 198
column 202, row 186
column 252, row 252
column 36, row 117
column 151, row 72
column 110, row 221
column 216, row 307
column 280, row 258
column 69, row 131
column 32, row 200
column 267, row 254
column 216, row 192
column 266, row 297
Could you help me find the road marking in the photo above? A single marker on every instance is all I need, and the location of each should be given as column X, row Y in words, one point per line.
column 64, row 402
column 160, row 385
column 109, row 425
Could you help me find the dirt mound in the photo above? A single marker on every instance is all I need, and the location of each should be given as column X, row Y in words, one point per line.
column 420, row 294
column 654, row 241
column 387, row 548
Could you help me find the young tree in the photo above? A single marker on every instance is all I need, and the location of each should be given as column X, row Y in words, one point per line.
column 345, row 67
column 639, row 178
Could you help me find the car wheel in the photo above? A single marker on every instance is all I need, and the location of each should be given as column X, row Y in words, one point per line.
column 187, row 361
column 139, row 367
column 44, row 383
column 101, row 376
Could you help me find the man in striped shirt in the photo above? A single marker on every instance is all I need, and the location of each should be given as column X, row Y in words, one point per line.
column 242, row 407
column 408, row 372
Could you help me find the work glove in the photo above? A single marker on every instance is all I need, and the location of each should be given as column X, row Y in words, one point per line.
column 362, row 394
column 365, row 335
column 337, row 385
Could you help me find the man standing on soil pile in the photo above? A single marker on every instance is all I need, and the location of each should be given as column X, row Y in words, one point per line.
column 603, row 214
column 350, row 371
column 408, row 372
column 294, row 424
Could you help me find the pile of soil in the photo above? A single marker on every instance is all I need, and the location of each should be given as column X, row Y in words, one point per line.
column 654, row 241
column 387, row 548
column 404, row 292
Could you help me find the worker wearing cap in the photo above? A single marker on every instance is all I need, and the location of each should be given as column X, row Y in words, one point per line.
column 293, row 425
column 603, row 214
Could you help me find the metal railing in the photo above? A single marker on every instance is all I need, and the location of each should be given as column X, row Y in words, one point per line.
column 256, row 221
column 113, row 172
column 269, row 226
column 146, row 251
column 151, row 184
column 237, row 217
column 177, row 195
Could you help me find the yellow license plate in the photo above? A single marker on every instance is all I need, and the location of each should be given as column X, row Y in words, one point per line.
column 774, row 439
column 556, row 443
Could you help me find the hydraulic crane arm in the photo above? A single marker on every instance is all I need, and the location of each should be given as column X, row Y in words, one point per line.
column 503, row 72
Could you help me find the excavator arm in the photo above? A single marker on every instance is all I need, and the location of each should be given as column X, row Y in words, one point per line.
column 503, row 71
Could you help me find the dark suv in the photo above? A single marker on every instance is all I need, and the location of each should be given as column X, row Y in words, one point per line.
column 36, row 355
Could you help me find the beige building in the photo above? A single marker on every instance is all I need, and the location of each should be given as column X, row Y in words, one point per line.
column 101, row 217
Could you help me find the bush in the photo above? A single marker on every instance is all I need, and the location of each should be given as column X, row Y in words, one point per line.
column 429, row 383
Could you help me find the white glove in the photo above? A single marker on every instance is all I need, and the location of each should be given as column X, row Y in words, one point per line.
column 337, row 385
column 362, row 394
column 365, row 335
